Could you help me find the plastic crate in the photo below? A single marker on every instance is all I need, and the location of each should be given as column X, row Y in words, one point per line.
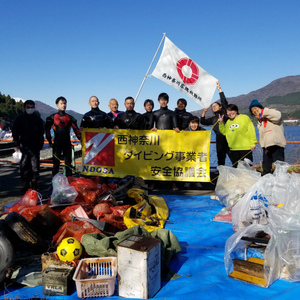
column 96, row 277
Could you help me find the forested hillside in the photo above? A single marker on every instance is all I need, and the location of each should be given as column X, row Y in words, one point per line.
column 9, row 109
column 282, row 93
column 289, row 104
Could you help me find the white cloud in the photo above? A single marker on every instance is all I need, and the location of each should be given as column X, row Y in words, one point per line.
column 19, row 99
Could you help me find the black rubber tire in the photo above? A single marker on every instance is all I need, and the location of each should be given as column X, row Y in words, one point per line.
column 26, row 233
column 6, row 255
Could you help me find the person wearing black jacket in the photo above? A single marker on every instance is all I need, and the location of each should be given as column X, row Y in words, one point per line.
column 96, row 118
column 183, row 116
column 218, row 110
column 130, row 119
column 61, row 122
column 113, row 106
column 28, row 135
column 164, row 118
column 148, row 105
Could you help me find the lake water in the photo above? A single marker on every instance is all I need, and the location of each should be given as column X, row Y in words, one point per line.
column 292, row 151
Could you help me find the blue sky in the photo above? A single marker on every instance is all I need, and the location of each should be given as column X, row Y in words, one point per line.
column 82, row 48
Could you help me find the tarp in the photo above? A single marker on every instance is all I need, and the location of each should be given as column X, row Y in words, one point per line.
column 201, row 261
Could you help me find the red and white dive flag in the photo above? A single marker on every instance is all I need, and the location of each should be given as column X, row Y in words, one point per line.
column 178, row 70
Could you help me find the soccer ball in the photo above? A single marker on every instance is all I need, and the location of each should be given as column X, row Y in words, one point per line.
column 69, row 249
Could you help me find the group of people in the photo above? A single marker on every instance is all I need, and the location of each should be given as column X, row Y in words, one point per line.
column 236, row 136
column 235, row 133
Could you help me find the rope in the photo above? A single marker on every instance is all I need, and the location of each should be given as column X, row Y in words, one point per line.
column 214, row 126
column 70, row 167
column 241, row 158
column 233, row 164
column 236, row 161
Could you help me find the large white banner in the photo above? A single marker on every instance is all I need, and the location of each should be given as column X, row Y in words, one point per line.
column 178, row 70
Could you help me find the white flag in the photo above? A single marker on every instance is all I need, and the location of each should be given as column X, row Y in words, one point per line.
column 178, row 70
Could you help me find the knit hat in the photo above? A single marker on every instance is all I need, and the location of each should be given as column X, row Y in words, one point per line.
column 255, row 102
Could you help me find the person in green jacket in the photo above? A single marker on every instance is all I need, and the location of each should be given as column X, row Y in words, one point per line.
column 240, row 134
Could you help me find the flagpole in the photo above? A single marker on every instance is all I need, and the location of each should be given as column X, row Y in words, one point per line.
column 137, row 95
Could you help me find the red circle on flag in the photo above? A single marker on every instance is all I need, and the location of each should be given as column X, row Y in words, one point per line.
column 187, row 62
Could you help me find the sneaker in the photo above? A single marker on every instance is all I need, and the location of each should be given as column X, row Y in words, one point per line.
column 174, row 187
column 198, row 185
column 186, row 186
column 151, row 186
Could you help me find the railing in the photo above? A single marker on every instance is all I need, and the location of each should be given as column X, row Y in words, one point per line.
column 291, row 154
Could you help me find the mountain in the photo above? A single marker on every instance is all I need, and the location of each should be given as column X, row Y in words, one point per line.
column 45, row 110
column 282, row 93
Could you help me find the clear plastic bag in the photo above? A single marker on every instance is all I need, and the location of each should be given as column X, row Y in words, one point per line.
column 224, row 215
column 235, row 244
column 287, row 228
column 234, row 183
column 292, row 194
column 59, row 179
column 62, row 192
column 253, row 207
column 275, row 200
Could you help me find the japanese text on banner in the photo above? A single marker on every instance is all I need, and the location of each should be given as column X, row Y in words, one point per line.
column 152, row 155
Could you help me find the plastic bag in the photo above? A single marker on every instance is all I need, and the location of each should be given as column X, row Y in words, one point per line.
column 276, row 199
column 74, row 229
column 75, row 210
column 62, row 193
column 89, row 190
column 253, row 207
column 17, row 156
column 235, row 245
column 30, row 199
column 277, row 189
column 287, row 228
column 286, row 220
column 59, row 179
column 291, row 194
column 224, row 215
column 234, row 183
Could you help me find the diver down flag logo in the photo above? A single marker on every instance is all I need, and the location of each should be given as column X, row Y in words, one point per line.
column 100, row 149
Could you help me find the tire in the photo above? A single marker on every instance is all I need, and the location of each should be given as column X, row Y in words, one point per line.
column 6, row 255
column 26, row 233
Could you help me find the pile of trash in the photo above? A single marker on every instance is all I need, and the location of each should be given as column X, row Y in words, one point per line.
column 266, row 221
column 59, row 232
column 232, row 185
